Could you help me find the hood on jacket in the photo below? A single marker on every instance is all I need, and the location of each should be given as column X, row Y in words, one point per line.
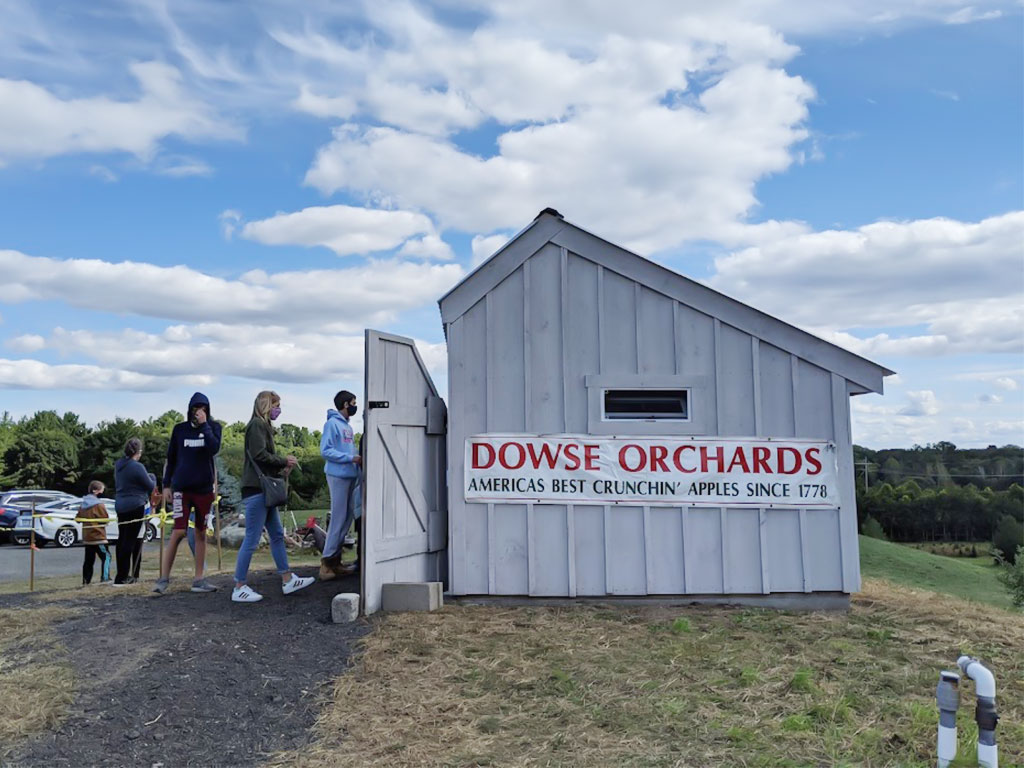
column 334, row 413
column 90, row 500
column 197, row 400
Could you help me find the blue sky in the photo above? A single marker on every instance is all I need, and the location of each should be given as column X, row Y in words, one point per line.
column 223, row 199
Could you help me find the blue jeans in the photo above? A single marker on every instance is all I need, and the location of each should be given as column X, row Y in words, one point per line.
column 258, row 517
column 341, row 513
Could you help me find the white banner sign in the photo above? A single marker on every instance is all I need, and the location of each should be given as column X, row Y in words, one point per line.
column 682, row 471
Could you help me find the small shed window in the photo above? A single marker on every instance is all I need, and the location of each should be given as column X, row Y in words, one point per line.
column 646, row 405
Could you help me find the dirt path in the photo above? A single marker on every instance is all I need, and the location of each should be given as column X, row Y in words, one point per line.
column 195, row 680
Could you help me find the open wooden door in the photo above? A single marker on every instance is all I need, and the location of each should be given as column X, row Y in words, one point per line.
column 405, row 498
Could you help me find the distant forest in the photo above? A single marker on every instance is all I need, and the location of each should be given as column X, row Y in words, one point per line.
column 940, row 492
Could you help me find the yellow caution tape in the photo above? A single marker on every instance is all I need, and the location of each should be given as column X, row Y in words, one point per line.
column 163, row 515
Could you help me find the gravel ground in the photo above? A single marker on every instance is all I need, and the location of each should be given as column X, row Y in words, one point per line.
column 196, row 680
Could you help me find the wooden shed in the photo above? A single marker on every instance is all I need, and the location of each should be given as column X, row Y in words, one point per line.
column 615, row 429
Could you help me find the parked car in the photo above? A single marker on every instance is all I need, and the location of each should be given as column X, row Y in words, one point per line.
column 16, row 504
column 59, row 525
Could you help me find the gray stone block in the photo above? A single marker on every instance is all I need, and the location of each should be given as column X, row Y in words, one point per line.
column 345, row 608
column 412, row 596
column 232, row 535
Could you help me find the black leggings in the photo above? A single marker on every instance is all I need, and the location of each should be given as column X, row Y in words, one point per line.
column 129, row 545
column 91, row 552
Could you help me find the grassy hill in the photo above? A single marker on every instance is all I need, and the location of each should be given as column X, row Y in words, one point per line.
column 967, row 578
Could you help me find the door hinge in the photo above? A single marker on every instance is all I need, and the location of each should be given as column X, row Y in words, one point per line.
column 378, row 404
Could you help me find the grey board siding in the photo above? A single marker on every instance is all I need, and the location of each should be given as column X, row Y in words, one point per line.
column 518, row 362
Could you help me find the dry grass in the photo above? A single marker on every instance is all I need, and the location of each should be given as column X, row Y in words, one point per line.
column 36, row 680
column 593, row 686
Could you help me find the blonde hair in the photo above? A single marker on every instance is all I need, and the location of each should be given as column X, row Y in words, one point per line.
column 265, row 400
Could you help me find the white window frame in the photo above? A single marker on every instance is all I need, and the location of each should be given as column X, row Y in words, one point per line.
column 650, row 420
column 700, row 404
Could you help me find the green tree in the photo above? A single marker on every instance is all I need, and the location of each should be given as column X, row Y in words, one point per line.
column 101, row 448
column 892, row 472
column 7, row 434
column 1008, row 537
column 42, row 458
column 873, row 529
column 1012, row 577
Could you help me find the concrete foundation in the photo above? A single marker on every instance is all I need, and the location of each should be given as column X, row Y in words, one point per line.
column 345, row 608
column 412, row 596
column 783, row 601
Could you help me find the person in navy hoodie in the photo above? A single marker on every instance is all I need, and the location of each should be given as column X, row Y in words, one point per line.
column 189, row 477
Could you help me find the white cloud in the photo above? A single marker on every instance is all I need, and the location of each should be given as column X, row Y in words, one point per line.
column 990, row 376
column 261, row 352
column 29, row 342
column 103, row 173
column 970, row 14
column 372, row 294
column 1007, row 383
column 485, row 246
column 427, row 247
column 181, row 166
column 324, row 106
column 1012, row 429
column 345, row 229
column 962, row 426
column 921, row 403
column 33, row 374
column 649, row 176
column 216, row 350
column 949, row 276
column 229, row 221
column 34, row 122
column 989, row 399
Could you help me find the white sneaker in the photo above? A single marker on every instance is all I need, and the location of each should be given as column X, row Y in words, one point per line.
column 297, row 583
column 245, row 594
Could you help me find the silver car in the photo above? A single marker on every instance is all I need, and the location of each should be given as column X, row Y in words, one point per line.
column 56, row 522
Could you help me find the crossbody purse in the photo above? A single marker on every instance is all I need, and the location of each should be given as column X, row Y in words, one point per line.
column 275, row 489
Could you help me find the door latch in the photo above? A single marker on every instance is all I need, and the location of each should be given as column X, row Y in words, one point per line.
column 378, row 404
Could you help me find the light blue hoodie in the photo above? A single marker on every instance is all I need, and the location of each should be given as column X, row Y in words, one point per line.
column 338, row 446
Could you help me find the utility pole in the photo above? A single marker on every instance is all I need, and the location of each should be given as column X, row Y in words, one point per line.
column 865, row 465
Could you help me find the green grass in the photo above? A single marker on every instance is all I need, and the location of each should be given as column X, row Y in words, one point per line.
column 967, row 578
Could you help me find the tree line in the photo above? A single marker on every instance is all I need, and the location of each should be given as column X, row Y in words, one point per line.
column 60, row 452
column 943, row 493
column 941, row 465
column 933, row 493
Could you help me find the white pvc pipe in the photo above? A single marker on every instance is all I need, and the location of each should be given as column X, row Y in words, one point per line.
column 947, row 746
column 988, row 755
column 984, row 681
column 947, row 694
column 985, row 714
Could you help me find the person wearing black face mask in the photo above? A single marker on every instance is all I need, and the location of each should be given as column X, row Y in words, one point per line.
column 342, row 463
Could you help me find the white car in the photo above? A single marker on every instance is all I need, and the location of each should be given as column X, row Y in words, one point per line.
column 58, row 523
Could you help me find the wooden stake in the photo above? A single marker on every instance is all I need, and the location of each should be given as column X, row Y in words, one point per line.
column 216, row 521
column 32, row 552
column 163, row 516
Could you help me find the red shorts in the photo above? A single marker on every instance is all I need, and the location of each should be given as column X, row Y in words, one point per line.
column 182, row 504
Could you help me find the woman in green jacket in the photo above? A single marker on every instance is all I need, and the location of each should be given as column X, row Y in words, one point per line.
column 260, row 457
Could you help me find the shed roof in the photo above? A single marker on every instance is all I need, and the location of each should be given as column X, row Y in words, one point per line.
column 551, row 227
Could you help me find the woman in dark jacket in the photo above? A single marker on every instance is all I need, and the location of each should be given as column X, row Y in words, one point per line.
column 133, row 486
column 260, row 458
